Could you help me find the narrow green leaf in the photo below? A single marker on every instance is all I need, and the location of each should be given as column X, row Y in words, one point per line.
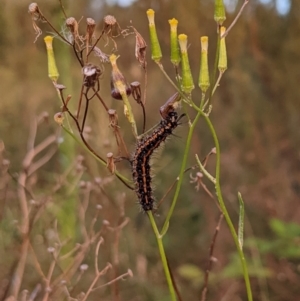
column 241, row 221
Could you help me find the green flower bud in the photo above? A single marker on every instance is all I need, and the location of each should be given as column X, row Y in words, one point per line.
column 219, row 15
column 204, row 72
column 175, row 55
column 52, row 69
column 155, row 47
column 222, row 65
column 187, row 79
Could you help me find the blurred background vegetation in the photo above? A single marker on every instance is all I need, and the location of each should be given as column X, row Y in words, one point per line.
column 256, row 114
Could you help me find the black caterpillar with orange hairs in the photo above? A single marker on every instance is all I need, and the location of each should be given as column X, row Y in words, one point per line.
column 141, row 169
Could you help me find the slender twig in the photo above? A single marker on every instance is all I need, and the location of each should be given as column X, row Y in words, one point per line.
column 98, row 273
column 98, row 39
column 236, row 19
column 85, row 114
column 63, row 9
column 101, row 100
column 79, row 102
column 211, row 259
column 144, row 117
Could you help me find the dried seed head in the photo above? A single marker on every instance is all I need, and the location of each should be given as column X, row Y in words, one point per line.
column 5, row 163
column 83, row 267
column 59, row 118
column 113, row 117
column 91, row 24
column 136, row 91
column 82, row 184
column 105, row 222
column 140, row 49
column 72, row 24
column 51, row 250
column 59, row 87
column 130, row 274
column 111, row 163
column 34, row 10
column 110, row 20
column 36, row 15
column 91, row 75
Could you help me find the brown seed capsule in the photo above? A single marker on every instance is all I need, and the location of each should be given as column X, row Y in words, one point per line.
column 36, row 15
column 91, row 24
column 91, row 75
column 136, row 91
column 111, row 163
column 113, row 117
column 72, row 24
column 59, row 118
column 140, row 49
column 110, row 20
column 34, row 10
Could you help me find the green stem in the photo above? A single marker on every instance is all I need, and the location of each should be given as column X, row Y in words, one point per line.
column 225, row 212
column 183, row 165
column 162, row 255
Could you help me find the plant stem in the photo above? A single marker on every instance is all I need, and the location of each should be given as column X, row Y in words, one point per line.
column 121, row 177
column 162, row 255
column 182, row 169
column 225, row 212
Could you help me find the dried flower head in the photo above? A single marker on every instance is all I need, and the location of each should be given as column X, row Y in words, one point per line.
column 197, row 180
column 91, row 75
column 91, row 25
column 83, row 267
column 111, row 163
column 136, row 91
column 110, row 20
column 72, row 25
column 36, row 15
column 59, row 118
column 34, row 10
column 140, row 49
column 113, row 118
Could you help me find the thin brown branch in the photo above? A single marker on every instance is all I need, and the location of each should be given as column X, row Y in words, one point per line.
column 211, row 259
column 235, row 19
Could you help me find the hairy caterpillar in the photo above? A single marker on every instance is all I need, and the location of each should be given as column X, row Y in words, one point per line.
column 141, row 169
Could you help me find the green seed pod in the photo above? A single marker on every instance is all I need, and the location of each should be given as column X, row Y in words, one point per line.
column 155, row 47
column 222, row 65
column 175, row 55
column 204, row 72
column 219, row 14
column 187, row 79
column 52, row 69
